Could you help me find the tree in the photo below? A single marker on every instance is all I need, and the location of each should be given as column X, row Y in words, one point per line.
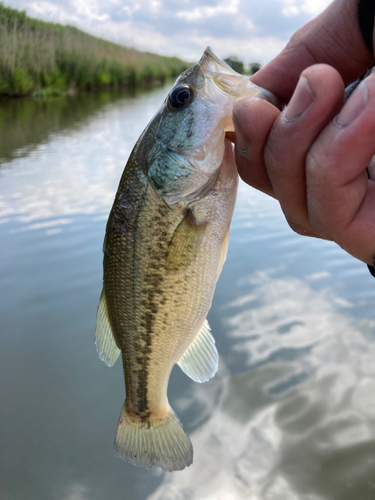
column 254, row 67
column 235, row 63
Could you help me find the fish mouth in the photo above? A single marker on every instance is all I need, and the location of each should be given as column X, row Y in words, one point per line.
column 213, row 64
column 233, row 83
column 223, row 76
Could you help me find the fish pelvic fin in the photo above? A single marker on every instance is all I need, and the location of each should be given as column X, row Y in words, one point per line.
column 161, row 443
column 200, row 360
column 105, row 342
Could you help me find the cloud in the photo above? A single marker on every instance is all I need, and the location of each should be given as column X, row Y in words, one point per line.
column 246, row 28
column 208, row 11
column 299, row 422
column 51, row 196
column 311, row 7
column 77, row 491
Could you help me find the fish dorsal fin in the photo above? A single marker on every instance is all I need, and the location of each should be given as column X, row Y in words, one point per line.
column 185, row 243
column 200, row 360
column 104, row 339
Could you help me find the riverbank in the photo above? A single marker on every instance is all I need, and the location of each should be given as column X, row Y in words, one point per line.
column 43, row 58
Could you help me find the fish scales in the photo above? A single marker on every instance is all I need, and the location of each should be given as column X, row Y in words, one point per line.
column 166, row 241
column 143, row 308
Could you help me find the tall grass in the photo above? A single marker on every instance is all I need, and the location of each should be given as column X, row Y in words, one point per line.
column 40, row 56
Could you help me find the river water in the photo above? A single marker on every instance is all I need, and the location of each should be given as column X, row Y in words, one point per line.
column 290, row 414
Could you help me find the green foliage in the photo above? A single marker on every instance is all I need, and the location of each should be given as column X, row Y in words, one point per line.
column 11, row 17
column 4, row 85
column 102, row 78
column 254, row 67
column 21, row 83
column 235, row 63
column 151, row 72
column 36, row 56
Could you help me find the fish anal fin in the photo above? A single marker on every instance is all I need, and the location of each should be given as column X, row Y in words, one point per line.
column 105, row 342
column 200, row 360
column 185, row 243
column 162, row 443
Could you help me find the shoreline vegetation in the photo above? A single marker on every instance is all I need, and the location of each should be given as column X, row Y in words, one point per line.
column 42, row 58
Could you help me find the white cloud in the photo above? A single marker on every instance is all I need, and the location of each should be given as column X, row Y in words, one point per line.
column 50, row 11
column 82, row 186
column 260, row 49
column 253, row 30
column 286, row 428
column 131, row 10
column 230, row 7
column 155, row 5
column 138, row 35
column 77, row 491
column 312, row 7
column 90, row 9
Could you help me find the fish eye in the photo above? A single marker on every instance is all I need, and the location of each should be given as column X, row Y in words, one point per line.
column 180, row 97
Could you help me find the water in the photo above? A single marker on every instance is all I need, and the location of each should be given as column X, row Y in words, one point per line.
column 291, row 412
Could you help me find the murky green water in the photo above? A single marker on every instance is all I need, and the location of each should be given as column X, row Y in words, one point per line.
column 291, row 412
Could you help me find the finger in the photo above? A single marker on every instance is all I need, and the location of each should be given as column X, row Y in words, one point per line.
column 334, row 38
column 317, row 99
column 340, row 197
column 253, row 119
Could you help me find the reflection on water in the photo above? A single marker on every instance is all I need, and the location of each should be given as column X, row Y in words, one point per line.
column 291, row 412
column 300, row 422
column 26, row 123
column 73, row 166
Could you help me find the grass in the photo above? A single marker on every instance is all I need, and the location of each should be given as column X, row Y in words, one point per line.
column 47, row 58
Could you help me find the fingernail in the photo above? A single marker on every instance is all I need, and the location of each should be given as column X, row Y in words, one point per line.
column 300, row 101
column 355, row 104
column 241, row 142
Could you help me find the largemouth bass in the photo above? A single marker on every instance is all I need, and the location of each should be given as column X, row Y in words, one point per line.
column 165, row 245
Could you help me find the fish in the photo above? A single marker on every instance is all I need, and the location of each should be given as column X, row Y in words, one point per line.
column 165, row 245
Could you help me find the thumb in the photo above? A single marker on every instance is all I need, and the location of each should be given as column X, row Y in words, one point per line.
column 253, row 119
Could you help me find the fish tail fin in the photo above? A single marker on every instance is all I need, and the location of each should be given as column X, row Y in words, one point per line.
column 162, row 443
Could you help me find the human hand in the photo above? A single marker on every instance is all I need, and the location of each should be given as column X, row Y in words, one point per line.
column 311, row 160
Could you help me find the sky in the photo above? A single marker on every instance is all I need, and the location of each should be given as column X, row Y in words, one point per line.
column 253, row 30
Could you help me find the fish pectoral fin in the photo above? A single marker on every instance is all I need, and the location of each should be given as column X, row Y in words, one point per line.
column 200, row 360
column 185, row 243
column 105, row 342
